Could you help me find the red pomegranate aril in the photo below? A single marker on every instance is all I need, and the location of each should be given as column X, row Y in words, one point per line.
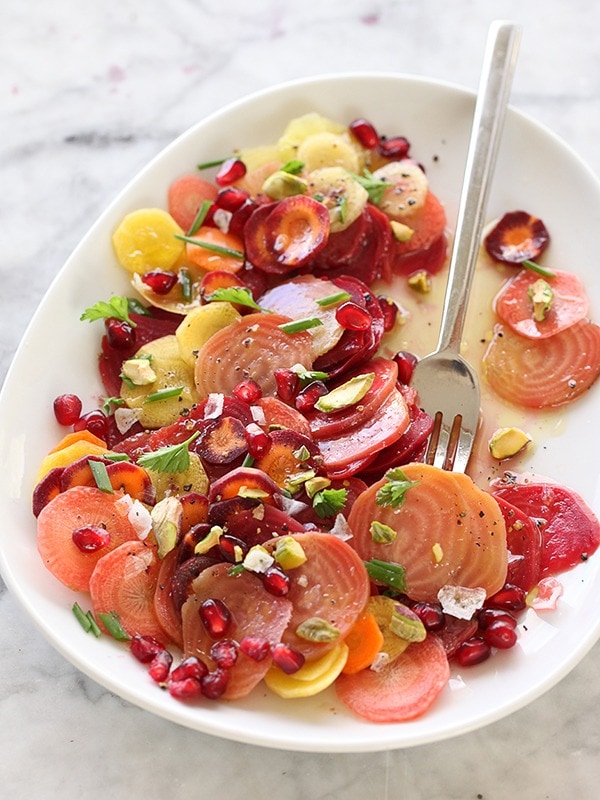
column 216, row 617
column 287, row 659
column 474, row 651
column 248, row 391
column 396, row 147
column 190, row 667
column 241, row 217
column 259, row 442
column 230, row 171
column 389, row 309
column 364, row 131
column 276, row 581
column 160, row 281
column 145, row 648
column 186, row 689
column 90, row 538
column 353, row 317
column 255, row 647
column 95, row 422
column 487, row 616
column 160, row 666
column 232, row 548
column 406, row 363
column 224, row 653
column 509, row 598
column 215, row 683
column 231, row 198
column 67, row 409
column 306, row 399
column 120, row 334
column 500, row 634
column 430, row 615
column 288, row 384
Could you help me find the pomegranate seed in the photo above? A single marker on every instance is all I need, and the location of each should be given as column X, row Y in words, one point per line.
column 365, row 132
column 95, row 422
column 240, row 217
column 120, row 334
column 248, row 391
column 67, row 409
column 190, row 667
column 276, row 582
column 396, row 147
column 231, row 547
column 389, row 309
column 406, row 363
column 473, row 651
column 224, row 653
column 431, row 615
column 259, row 442
column 230, row 171
column 255, row 647
column 353, row 317
column 306, row 399
column 500, row 634
column 145, row 648
column 288, row 384
column 216, row 617
column 488, row 615
column 214, row 684
column 160, row 666
column 287, row 659
column 231, row 198
column 186, row 689
column 509, row 598
column 91, row 538
column 159, row 281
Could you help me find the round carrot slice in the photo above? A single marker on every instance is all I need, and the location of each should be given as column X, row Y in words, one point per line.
column 427, row 225
column 517, row 237
column 543, row 373
column 216, row 250
column 569, row 304
column 79, row 507
column 124, row 583
column 186, row 195
column 253, row 347
column 402, row 690
column 447, row 532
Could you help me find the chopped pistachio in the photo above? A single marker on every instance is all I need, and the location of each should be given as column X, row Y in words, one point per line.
column 406, row 624
column 381, row 534
column 348, row 394
column 210, row 540
column 284, row 184
column 317, row 629
column 402, row 232
column 252, row 492
column 166, row 516
column 508, row 442
column 437, row 552
column 317, row 484
column 541, row 295
column 138, row 371
column 420, row 281
column 289, row 553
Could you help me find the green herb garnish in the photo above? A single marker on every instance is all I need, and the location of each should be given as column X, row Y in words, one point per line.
column 117, row 307
column 248, row 460
column 100, row 474
column 393, row 492
column 235, row 294
column 309, row 375
column 216, row 163
column 135, row 307
column 300, row 325
column 112, row 624
column 333, row 299
column 293, row 167
column 172, row 458
column 375, row 188
column 185, row 281
column 387, row 572
column 163, row 394
column 110, row 403
column 214, row 248
column 328, row 502
column 546, row 273
column 200, row 217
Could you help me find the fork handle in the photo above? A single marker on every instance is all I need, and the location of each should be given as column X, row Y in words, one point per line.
column 488, row 121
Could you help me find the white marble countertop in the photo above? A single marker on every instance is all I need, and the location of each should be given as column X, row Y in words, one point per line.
column 90, row 92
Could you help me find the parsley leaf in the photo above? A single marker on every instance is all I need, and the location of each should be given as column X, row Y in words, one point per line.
column 117, row 307
column 375, row 188
column 393, row 493
column 328, row 502
column 173, row 458
column 235, row 294
column 293, row 167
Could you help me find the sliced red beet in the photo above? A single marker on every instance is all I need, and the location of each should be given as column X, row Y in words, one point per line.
column 524, row 543
column 406, row 449
column 517, row 237
column 431, row 260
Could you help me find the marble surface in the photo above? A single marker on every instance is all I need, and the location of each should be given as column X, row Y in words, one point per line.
column 90, row 92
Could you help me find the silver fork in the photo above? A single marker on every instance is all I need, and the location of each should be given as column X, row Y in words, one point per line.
column 448, row 386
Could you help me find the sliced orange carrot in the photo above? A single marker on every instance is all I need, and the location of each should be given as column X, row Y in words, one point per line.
column 427, row 225
column 244, row 481
column 282, row 458
column 124, row 583
column 195, row 510
column 364, row 642
column 543, row 373
column 80, row 507
column 252, row 347
column 68, row 455
column 207, row 258
column 78, row 436
column 186, row 195
column 447, row 531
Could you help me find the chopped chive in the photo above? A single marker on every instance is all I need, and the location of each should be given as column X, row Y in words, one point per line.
column 546, row 273
column 339, row 297
column 237, row 569
column 214, row 248
column 200, row 217
column 185, row 281
column 208, row 164
column 293, row 167
column 136, row 307
column 386, row 572
column 164, row 394
column 111, row 622
column 101, row 476
column 110, row 403
column 116, row 457
column 248, row 460
column 300, row 325
column 93, row 625
column 82, row 618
